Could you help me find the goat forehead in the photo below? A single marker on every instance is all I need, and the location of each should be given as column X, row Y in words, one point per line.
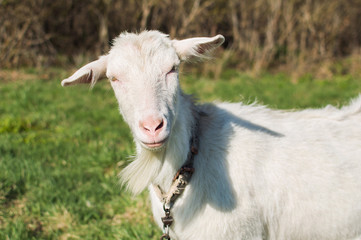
column 132, row 57
column 149, row 50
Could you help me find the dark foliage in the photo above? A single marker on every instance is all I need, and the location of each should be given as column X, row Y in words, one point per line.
column 261, row 33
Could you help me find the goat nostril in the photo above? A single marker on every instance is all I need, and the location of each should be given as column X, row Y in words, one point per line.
column 160, row 125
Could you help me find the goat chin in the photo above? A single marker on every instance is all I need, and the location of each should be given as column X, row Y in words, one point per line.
column 142, row 170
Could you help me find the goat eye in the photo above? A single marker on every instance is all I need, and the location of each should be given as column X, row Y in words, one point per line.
column 114, row 79
column 173, row 70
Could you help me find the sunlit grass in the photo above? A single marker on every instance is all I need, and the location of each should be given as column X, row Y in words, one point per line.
column 61, row 150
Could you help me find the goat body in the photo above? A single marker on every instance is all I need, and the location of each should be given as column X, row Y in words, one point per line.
column 259, row 173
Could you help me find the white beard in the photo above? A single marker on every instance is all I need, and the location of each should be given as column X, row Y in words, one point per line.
column 142, row 171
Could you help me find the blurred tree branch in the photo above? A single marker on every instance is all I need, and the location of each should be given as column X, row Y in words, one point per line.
column 261, row 33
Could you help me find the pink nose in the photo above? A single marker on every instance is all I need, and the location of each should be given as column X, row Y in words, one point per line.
column 152, row 126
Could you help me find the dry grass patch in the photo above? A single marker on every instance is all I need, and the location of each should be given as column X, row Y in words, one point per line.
column 59, row 220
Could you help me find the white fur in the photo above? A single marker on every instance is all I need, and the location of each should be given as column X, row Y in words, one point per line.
column 259, row 173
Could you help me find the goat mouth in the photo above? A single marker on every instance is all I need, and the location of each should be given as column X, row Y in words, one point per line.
column 155, row 145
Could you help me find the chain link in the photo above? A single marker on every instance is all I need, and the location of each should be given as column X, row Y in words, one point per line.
column 167, row 221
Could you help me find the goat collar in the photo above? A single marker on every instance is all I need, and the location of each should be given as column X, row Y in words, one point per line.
column 180, row 179
column 184, row 174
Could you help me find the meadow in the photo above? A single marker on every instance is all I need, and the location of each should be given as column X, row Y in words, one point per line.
column 62, row 148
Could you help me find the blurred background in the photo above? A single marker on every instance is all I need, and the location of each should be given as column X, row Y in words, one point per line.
column 293, row 36
column 62, row 148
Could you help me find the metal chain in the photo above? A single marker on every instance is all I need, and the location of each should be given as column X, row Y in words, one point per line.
column 167, row 221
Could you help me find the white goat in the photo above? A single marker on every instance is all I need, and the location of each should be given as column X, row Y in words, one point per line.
column 259, row 173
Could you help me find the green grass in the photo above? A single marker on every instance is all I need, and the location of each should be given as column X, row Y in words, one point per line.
column 61, row 150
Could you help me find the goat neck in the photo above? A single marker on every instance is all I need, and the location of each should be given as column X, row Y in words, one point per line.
column 176, row 153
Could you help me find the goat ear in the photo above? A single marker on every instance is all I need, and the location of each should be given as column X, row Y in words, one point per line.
column 90, row 73
column 198, row 47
